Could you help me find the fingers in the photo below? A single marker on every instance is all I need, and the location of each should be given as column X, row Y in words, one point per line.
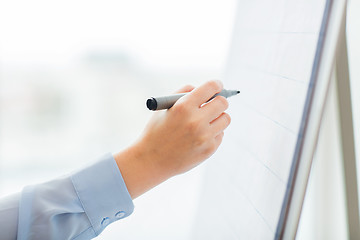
column 186, row 88
column 204, row 92
column 220, row 123
column 215, row 107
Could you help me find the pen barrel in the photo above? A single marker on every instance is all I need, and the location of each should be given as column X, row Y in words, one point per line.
column 225, row 93
column 166, row 102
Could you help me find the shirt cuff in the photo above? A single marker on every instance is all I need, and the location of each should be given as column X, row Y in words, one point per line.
column 102, row 193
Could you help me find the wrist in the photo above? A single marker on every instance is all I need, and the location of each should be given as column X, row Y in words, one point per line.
column 140, row 169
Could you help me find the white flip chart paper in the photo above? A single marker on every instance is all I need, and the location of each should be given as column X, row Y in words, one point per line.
column 270, row 62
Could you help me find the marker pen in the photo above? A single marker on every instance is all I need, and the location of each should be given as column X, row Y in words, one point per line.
column 166, row 102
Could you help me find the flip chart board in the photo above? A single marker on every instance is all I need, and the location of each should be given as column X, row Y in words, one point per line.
column 274, row 53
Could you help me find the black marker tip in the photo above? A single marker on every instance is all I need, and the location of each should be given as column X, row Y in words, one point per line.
column 238, row 91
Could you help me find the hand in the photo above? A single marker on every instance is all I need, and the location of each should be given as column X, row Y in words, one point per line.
column 176, row 140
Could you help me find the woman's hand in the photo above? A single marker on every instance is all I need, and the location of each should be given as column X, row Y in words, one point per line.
column 176, row 140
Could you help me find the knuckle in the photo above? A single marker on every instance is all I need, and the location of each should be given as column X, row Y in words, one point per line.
column 188, row 86
column 194, row 128
column 181, row 107
column 202, row 140
column 210, row 148
column 227, row 119
column 223, row 101
column 215, row 85
column 202, row 137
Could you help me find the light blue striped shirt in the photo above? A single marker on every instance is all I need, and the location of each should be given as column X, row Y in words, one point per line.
column 77, row 206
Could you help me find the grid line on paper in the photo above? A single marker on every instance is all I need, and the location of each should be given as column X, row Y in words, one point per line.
column 260, row 70
column 267, row 117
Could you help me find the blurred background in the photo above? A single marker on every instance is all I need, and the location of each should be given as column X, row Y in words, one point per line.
column 74, row 77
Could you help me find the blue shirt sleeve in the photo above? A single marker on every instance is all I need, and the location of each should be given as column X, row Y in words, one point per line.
column 78, row 206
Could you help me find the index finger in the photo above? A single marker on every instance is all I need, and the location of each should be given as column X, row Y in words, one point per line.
column 203, row 93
